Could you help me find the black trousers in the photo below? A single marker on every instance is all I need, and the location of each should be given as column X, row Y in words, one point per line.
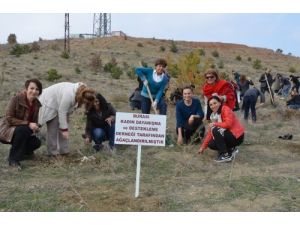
column 223, row 140
column 188, row 130
column 23, row 143
column 249, row 102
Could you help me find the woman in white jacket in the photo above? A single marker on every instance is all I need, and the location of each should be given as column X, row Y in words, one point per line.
column 58, row 102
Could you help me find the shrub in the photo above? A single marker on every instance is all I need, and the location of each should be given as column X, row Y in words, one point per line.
column 77, row 70
column 215, row 54
column 12, row 39
column 144, row 64
column 238, row 58
column 257, row 64
column 96, row 63
column 292, row 69
column 131, row 73
column 65, row 55
column 53, row 75
column 173, row 47
column 125, row 66
column 201, row 52
column 137, row 53
column 278, row 50
column 18, row 50
column 221, row 64
column 35, row 47
column 116, row 72
column 35, row 57
column 162, row 48
column 249, row 59
column 140, row 44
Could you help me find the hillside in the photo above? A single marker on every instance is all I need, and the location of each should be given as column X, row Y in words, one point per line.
column 264, row 176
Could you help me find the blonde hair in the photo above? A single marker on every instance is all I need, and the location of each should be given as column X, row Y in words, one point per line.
column 85, row 93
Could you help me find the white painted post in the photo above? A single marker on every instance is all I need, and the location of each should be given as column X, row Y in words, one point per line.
column 138, row 171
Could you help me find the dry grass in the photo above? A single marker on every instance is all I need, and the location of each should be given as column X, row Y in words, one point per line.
column 264, row 177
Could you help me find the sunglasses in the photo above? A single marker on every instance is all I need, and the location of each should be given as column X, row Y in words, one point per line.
column 210, row 77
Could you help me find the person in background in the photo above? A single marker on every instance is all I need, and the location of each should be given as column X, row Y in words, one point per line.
column 295, row 82
column 189, row 116
column 285, row 87
column 100, row 123
column 244, row 85
column 225, row 131
column 266, row 84
column 236, row 76
column 157, row 81
column 249, row 102
column 20, row 123
column 59, row 101
column 217, row 87
column 294, row 102
column 135, row 98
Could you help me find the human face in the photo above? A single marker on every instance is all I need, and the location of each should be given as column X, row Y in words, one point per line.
column 210, row 78
column 159, row 69
column 32, row 91
column 214, row 105
column 187, row 95
column 97, row 104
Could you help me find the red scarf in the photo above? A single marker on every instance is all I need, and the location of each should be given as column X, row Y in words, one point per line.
column 209, row 89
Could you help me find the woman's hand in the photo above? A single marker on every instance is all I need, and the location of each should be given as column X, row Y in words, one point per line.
column 87, row 140
column 191, row 119
column 211, row 125
column 109, row 120
column 34, row 127
column 65, row 134
column 201, row 150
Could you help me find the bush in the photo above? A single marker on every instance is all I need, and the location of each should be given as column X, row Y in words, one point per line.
column 77, row 70
column 249, row 59
column 173, row 47
column 221, row 64
column 131, row 73
column 140, row 44
column 18, row 50
column 53, row 75
column 96, row 63
column 257, row 64
column 215, row 54
column 279, row 51
column 201, row 52
column 238, row 58
column 144, row 64
column 116, row 72
column 65, row 55
column 292, row 69
column 35, row 47
column 12, row 39
column 162, row 48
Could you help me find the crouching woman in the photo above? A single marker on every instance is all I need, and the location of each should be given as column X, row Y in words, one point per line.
column 226, row 132
column 100, row 123
column 19, row 126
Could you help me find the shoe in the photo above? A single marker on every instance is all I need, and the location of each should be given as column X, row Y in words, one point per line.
column 15, row 164
column 224, row 157
column 97, row 147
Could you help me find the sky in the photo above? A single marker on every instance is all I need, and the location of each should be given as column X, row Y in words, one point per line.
column 266, row 30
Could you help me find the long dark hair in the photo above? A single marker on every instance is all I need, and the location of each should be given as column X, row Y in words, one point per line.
column 219, row 100
column 103, row 103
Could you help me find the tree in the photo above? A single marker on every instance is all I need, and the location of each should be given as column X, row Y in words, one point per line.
column 12, row 39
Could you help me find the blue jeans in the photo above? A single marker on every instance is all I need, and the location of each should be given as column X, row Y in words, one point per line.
column 161, row 106
column 294, row 106
column 101, row 134
column 249, row 102
column 285, row 90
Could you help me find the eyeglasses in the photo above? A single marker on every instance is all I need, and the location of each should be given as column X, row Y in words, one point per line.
column 210, row 77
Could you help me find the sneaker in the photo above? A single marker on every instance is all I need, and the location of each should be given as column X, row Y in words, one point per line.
column 97, row 147
column 224, row 157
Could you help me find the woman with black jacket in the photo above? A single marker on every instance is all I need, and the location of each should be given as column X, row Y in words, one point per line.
column 100, row 123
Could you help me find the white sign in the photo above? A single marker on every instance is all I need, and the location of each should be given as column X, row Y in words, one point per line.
column 140, row 129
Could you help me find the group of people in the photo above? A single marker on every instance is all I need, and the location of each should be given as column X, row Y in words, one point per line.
column 33, row 107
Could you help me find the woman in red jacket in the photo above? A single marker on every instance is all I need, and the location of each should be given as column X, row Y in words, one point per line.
column 216, row 87
column 225, row 133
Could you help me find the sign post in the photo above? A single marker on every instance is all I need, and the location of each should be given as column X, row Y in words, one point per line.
column 140, row 129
